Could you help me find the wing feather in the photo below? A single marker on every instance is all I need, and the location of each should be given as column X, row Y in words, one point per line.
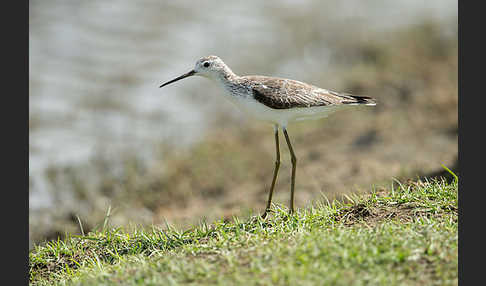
column 279, row 93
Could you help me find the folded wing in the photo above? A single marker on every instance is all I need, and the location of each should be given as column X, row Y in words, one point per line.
column 279, row 93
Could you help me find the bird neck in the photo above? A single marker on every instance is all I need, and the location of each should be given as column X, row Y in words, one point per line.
column 226, row 76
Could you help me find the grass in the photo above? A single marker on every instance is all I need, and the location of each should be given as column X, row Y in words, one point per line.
column 403, row 235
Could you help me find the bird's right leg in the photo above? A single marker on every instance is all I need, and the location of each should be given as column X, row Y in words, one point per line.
column 294, row 166
column 275, row 172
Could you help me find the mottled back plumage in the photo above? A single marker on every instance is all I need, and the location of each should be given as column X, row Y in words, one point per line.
column 280, row 93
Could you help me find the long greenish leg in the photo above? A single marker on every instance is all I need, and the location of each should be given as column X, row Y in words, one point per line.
column 294, row 164
column 275, row 172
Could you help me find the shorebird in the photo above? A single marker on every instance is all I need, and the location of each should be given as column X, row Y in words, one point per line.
column 276, row 100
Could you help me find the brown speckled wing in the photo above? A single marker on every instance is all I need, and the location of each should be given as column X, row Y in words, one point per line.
column 278, row 93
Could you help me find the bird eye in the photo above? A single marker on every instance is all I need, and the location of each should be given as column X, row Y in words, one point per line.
column 206, row 64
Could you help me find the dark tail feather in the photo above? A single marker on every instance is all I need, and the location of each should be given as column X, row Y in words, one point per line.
column 361, row 100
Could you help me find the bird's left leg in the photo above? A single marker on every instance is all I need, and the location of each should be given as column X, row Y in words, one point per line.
column 275, row 172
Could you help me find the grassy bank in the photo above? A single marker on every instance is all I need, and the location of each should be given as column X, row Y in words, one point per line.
column 403, row 235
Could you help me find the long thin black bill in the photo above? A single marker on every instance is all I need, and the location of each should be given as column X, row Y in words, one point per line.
column 178, row 78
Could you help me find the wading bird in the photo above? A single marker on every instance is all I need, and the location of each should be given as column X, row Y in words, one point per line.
column 279, row 101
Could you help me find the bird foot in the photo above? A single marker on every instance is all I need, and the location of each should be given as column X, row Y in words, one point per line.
column 264, row 215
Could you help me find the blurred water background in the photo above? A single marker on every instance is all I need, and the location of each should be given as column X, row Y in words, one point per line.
column 101, row 132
